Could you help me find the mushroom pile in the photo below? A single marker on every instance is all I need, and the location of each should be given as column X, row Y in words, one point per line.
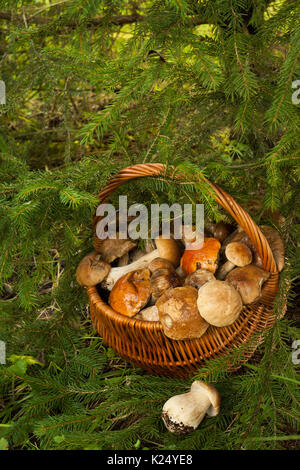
column 185, row 288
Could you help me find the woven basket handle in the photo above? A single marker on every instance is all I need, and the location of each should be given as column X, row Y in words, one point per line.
column 225, row 200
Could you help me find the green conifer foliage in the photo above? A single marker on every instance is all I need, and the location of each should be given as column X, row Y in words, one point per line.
column 91, row 87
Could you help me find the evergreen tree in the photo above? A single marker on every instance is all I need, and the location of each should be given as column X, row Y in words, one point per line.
column 91, row 87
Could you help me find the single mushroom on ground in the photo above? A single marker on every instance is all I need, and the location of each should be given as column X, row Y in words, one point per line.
column 92, row 270
column 248, row 282
column 113, row 248
column 202, row 258
column 179, row 314
column 148, row 314
column 165, row 248
column 131, row 292
column 183, row 413
column 198, row 278
column 237, row 254
column 219, row 303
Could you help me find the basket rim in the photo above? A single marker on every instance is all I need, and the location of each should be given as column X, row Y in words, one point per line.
column 270, row 287
column 240, row 215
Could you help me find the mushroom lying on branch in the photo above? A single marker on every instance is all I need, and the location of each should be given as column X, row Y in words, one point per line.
column 183, row 413
column 165, row 248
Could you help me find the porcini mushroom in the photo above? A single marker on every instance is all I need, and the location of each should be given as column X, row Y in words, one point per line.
column 219, row 303
column 165, row 248
column 238, row 235
column 198, row 278
column 148, row 314
column 160, row 263
column 131, row 292
column 113, row 248
column 248, row 282
column 272, row 236
column 276, row 244
column 202, row 258
column 92, row 270
column 183, row 413
column 162, row 279
column 221, row 230
column 179, row 315
column 237, row 254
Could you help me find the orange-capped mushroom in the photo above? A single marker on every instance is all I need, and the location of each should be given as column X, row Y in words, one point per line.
column 131, row 292
column 202, row 258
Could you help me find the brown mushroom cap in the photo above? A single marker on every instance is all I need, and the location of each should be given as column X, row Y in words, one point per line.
column 219, row 303
column 198, row 278
column 221, row 230
column 111, row 249
column 239, row 235
column 272, row 236
column 238, row 253
column 248, row 282
column 276, row 244
column 131, row 292
column 168, row 249
column 159, row 263
column 179, row 314
column 162, row 279
column 91, row 270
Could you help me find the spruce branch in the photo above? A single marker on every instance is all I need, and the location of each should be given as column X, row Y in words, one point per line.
column 117, row 20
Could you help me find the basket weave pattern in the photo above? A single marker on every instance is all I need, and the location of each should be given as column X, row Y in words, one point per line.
column 144, row 343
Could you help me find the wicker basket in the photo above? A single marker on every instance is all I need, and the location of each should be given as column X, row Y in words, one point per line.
column 144, row 343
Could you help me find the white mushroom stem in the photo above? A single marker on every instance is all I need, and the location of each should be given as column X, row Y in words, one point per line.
column 116, row 273
column 224, row 270
column 183, row 413
column 237, row 254
column 165, row 248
